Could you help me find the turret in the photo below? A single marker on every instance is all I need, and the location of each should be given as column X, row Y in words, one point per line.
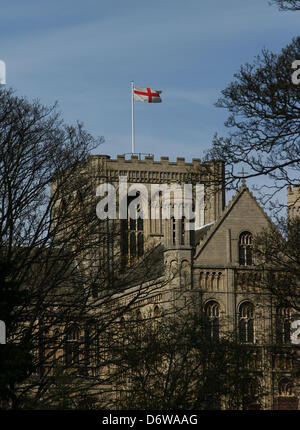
column 177, row 241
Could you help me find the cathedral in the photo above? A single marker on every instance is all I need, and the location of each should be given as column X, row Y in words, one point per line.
column 214, row 262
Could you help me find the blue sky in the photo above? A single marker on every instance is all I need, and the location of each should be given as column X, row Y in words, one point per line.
column 84, row 54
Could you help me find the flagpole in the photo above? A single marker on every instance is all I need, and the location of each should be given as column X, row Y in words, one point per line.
column 132, row 118
column 2, row 73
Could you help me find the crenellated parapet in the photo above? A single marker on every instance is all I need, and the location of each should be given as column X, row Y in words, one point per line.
column 144, row 169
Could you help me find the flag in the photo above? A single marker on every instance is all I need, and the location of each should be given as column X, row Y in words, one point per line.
column 146, row 95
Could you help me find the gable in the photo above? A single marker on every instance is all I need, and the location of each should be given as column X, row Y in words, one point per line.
column 220, row 245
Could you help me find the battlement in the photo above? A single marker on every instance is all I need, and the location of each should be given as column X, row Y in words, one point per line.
column 142, row 159
column 144, row 169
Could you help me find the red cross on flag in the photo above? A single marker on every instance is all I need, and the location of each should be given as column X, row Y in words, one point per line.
column 146, row 95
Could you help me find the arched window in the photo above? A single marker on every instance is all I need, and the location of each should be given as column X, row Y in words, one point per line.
column 140, row 220
column 124, row 237
column 173, row 224
column 212, row 314
column 156, row 311
column 287, row 400
column 206, row 281
column 72, row 346
column 73, row 334
column 283, row 325
column 212, row 280
column 132, row 224
column 245, row 249
column 285, row 388
column 202, row 280
column 132, row 244
column 250, row 388
column 246, row 322
column 182, row 228
column 185, row 274
column 132, row 239
column 140, row 244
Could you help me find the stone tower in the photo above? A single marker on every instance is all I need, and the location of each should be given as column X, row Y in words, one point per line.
column 178, row 243
column 148, row 171
column 171, row 232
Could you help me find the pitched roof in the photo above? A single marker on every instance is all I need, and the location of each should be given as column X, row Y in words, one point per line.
column 204, row 236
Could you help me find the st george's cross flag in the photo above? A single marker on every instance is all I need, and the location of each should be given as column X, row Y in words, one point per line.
column 146, row 95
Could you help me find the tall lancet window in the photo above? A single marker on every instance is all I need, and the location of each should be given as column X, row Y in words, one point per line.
column 132, row 232
column 182, row 228
column 212, row 314
column 72, row 346
column 245, row 249
column 246, row 322
column 173, row 226
column 140, row 244
column 132, row 244
column 283, row 325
